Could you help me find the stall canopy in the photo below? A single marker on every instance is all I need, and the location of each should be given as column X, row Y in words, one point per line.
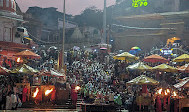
column 183, row 84
column 143, row 80
column 140, row 66
column 182, row 58
column 3, row 70
column 27, row 54
column 155, row 58
column 184, row 68
column 25, row 69
column 52, row 72
column 56, row 73
column 165, row 68
column 126, row 56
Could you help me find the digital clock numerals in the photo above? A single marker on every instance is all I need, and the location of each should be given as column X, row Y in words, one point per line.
column 139, row 3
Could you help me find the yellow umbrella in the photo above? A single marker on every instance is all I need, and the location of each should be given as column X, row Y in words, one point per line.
column 143, row 80
column 184, row 57
column 126, row 56
column 24, row 69
column 140, row 66
column 165, row 68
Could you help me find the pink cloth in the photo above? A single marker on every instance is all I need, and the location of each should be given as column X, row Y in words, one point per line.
column 74, row 96
column 144, row 88
column 24, row 94
column 158, row 104
column 164, row 102
column 176, row 106
column 168, row 104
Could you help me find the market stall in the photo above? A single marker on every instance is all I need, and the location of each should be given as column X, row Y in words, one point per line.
column 182, row 58
column 165, row 68
column 126, row 56
column 144, row 81
column 27, row 54
column 140, row 66
column 155, row 59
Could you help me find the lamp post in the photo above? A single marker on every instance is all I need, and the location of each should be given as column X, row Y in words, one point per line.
column 104, row 23
column 64, row 10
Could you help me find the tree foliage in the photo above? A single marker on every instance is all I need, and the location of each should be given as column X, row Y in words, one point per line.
column 94, row 17
column 90, row 17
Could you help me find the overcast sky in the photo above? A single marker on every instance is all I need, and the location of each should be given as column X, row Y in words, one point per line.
column 73, row 7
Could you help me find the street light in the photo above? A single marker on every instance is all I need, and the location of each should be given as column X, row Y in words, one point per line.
column 64, row 10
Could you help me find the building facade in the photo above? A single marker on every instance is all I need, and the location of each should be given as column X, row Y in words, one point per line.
column 150, row 29
column 9, row 21
column 45, row 27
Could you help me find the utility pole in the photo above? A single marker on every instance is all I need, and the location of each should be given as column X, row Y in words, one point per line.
column 104, row 23
column 64, row 11
column 108, row 39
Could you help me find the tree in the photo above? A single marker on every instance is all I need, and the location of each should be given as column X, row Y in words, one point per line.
column 89, row 17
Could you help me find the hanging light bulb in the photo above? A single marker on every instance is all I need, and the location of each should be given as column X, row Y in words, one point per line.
column 18, row 60
column 159, row 91
column 174, row 93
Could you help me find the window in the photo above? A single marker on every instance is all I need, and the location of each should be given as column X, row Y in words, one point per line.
column 1, row 3
column 7, row 34
column 7, row 3
column 20, row 30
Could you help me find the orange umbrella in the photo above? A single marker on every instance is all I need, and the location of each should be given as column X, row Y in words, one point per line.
column 155, row 58
column 184, row 68
column 27, row 53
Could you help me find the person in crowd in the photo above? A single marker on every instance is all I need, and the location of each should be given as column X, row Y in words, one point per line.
column 1, row 96
column 74, row 95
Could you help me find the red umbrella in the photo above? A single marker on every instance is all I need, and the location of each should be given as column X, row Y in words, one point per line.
column 155, row 58
column 27, row 53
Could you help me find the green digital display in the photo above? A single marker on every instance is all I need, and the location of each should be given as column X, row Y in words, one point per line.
column 139, row 3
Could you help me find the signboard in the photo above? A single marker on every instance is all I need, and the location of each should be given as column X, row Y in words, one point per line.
column 139, row 3
column 167, row 51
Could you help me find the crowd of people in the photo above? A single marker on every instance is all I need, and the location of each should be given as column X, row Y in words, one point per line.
column 104, row 81
column 101, row 78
